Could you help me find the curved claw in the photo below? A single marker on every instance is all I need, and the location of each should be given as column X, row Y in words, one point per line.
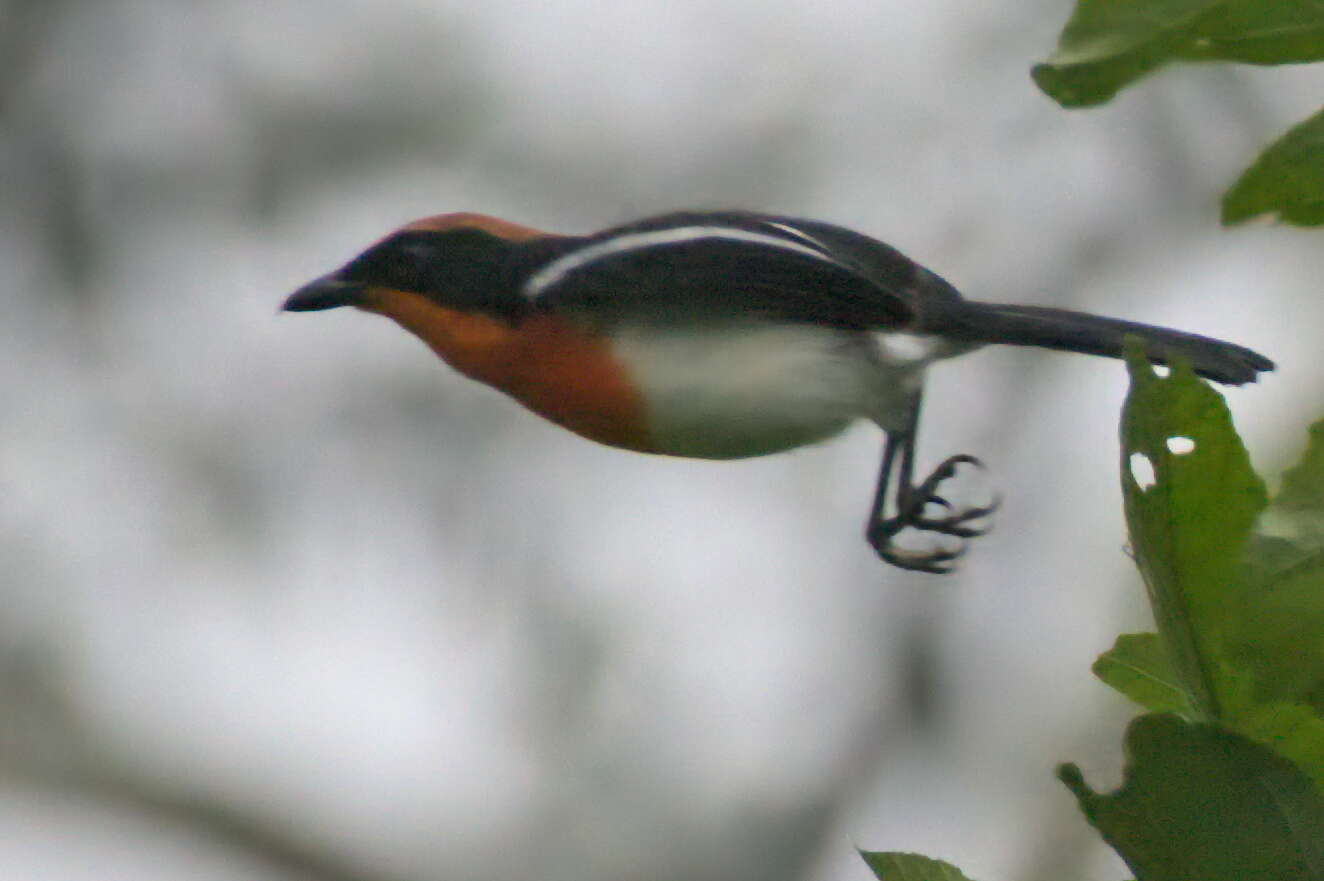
column 940, row 502
column 954, row 529
column 957, row 523
column 928, row 489
column 949, row 465
column 939, row 561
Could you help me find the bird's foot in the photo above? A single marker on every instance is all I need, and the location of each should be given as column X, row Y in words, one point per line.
column 960, row 523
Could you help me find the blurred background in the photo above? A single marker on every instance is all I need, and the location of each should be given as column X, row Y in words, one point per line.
column 283, row 598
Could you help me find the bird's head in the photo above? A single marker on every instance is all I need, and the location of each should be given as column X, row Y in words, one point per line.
column 453, row 260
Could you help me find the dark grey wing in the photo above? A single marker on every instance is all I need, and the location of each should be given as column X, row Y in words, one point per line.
column 686, row 267
column 932, row 300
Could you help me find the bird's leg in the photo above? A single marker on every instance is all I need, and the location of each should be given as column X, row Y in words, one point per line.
column 912, row 500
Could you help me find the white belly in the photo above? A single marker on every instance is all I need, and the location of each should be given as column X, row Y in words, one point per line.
column 751, row 389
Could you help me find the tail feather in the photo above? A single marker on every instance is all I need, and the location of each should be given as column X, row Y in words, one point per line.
column 1095, row 335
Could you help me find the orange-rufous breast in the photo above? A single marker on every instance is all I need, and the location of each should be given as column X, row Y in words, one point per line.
column 546, row 362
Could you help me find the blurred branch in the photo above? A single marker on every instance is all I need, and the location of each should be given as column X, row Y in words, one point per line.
column 27, row 24
column 43, row 744
column 229, row 826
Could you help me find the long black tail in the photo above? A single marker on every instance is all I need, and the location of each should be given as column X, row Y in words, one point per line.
column 1096, row 335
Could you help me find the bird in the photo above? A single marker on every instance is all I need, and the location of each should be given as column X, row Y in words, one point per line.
column 724, row 335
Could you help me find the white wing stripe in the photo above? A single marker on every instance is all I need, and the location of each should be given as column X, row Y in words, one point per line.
column 558, row 269
column 798, row 233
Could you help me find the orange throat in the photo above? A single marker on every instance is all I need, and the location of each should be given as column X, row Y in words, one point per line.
column 545, row 362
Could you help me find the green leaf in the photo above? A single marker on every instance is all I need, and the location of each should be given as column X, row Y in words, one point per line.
column 1302, row 490
column 1279, row 631
column 1189, row 528
column 1202, row 803
column 1237, row 585
column 1109, row 44
column 1279, row 637
column 1287, row 180
column 910, row 867
column 1139, row 666
column 1262, row 32
column 1295, row 732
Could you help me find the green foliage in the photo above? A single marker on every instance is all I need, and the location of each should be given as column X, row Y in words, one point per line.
column 1202, row 803
column 1187, row 530
column 1109, row 44
column 1261, row 32
column 1236, row 581
column 1237, row 586
column 1225, row 777
column 1287, row 179
column 1139, row 667
column 911, row 867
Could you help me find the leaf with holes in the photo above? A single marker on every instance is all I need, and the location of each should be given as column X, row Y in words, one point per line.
column 1189, row 527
